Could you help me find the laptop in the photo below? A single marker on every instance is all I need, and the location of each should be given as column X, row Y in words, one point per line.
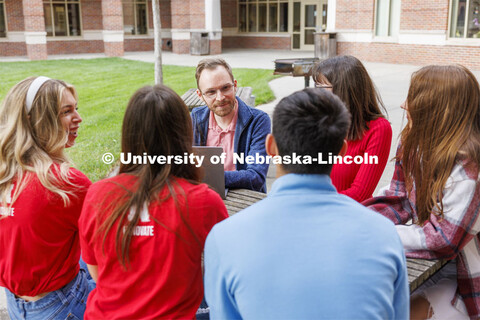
column 213, row 173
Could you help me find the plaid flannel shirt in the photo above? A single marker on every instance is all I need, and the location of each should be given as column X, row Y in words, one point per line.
column 454, row 236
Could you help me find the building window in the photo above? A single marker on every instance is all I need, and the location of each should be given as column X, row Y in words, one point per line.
column 135, row 17
column 62, row 18
column 263, row 16
column 465, row 19
column 387, row 18
column 3, row 24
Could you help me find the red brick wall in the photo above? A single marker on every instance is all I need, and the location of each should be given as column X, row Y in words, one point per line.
column 197, row 14
column 34, row 22
column 215, row 46
column 257, row 42
column 180, row 14
column 33, row 15
column 112, row 20
column 112, row 15
column 37, row 51
column 188, row 14
column 72, row 47
column 355, row 14
column 412, row 54
column 165, row 14
column 113, row 49
column 138, row 44
column 91, row 14
column 181, row 46
column 145, row 44
column 229, row 13
column 424, row 15
column 150, row 13
column 10, row 49
column 14, row 10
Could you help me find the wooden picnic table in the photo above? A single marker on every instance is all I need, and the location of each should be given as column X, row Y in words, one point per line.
column 419, row 270
column 192, row 99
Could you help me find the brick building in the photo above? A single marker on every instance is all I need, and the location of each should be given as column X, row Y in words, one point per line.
column 396, row 31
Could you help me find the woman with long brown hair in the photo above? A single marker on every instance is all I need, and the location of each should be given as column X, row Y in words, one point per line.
column 142, row 232
column 436, row 184
column 41, row 198
column 370, row 133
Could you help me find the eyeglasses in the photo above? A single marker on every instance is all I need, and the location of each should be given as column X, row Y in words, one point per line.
column 212, row 93
column 323, row 86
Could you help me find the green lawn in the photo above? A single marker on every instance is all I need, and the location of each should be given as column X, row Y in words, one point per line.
column 104, row 87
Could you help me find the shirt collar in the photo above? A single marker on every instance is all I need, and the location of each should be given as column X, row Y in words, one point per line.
column 300, row 183
column 212, row 122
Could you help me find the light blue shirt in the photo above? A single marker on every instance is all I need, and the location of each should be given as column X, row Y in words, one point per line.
column 306, row 252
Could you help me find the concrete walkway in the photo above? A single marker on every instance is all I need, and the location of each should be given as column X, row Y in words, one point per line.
column 392, row 81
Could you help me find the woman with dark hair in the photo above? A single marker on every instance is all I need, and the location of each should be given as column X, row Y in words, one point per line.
column 143, row 231
column 41, row 200
column 436, row 185
column 370, row 133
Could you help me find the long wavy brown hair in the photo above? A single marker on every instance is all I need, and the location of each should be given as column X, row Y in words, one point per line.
column 443, row 106
column 156, row 122
column 352, row 84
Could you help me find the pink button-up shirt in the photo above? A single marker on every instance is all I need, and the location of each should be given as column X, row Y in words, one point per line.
column 218, row 137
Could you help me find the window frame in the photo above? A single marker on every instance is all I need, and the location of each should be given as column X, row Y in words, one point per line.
column 135, row 18
column 390, row 36
column 267, row 3
column 464, row 38
column 4, row 12
column 67, row 23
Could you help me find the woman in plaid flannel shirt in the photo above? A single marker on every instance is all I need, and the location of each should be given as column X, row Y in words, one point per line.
column 436, row 184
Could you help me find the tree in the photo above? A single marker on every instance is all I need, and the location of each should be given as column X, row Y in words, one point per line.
column 157, row 27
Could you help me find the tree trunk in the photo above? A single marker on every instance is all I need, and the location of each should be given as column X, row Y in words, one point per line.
column 157, row 27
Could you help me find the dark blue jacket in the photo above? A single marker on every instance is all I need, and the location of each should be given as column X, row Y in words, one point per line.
column 252, row 128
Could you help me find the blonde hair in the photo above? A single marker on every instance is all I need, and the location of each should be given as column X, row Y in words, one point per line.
column 30, row 143
column 443, row 104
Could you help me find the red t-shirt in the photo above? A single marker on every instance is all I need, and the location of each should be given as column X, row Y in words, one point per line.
column 164, row 279
column 358, row 181
column 39, row 241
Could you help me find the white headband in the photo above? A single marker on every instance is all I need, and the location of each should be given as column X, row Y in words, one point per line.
column 32, row 91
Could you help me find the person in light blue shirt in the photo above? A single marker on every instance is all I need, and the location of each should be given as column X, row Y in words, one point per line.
column 306, row 252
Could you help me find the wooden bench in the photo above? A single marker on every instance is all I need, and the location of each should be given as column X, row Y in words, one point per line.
column 192, row 99
column 419, row 270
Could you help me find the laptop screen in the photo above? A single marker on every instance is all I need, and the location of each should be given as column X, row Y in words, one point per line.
column 213, row 172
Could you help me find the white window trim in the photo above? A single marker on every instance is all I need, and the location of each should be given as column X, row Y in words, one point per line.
column 149, row 33
column 5, row 19
column 267, row 2
column 464, row 41
column 388, row 39
column 65, row 2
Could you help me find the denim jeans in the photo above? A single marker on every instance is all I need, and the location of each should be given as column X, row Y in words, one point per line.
column 203, row 312
column 68, row 302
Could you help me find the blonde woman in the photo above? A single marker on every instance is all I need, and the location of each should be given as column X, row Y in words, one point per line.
column 41, row 201
column 436, row 184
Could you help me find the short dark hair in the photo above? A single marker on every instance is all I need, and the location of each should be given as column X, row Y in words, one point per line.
column 352, row 84
column 210, row 64
column 310, row 122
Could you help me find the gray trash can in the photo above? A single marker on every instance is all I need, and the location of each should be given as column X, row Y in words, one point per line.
column 199, row 43
column 325, row 45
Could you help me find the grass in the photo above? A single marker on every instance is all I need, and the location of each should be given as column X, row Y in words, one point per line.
column 104, row 87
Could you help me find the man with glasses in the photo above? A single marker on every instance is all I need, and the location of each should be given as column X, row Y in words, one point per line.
column 228, row 122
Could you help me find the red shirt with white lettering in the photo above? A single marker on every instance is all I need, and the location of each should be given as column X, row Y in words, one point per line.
column 164, row 279
column 39, row 243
